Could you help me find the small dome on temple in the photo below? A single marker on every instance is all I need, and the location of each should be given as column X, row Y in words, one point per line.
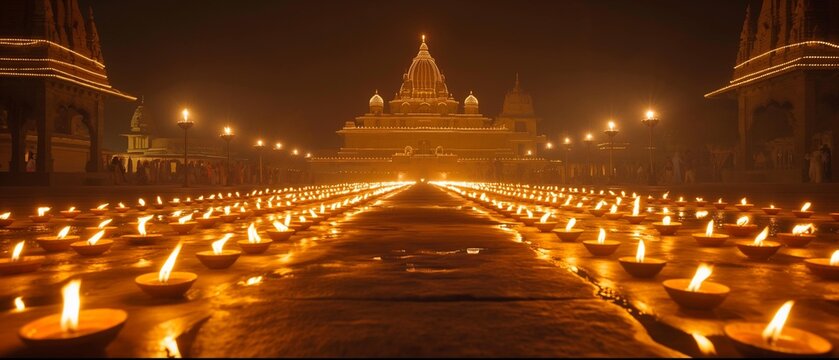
column 377, row 100
column 470, row 100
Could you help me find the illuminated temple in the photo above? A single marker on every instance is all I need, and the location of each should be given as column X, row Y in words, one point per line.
column 424, row 132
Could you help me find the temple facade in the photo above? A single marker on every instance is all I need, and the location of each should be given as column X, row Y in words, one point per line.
column 786, row 83
column 53, row 85
column 424, row 132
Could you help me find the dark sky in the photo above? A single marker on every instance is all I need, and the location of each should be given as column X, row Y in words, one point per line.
column 297, row 70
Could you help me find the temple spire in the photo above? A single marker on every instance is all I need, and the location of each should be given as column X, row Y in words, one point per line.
column 746, row 36
column 93, row 37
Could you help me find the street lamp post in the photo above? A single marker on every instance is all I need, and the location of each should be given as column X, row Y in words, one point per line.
column 651, row 121
column 185, row 124
column 259, row 146
column 588, row 140
column 611, row 132
column 277, row 147
column 227, row 135
column 567, row 146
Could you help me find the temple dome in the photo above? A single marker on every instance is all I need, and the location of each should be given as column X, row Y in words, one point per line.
column 423, row 79
column 470, row 100
column 377, row 100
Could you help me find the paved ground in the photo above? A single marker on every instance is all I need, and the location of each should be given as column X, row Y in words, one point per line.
column 395, row 278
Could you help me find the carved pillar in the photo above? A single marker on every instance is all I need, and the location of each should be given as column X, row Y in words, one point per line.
column 17, row 131
column 96, row 124
column 745, row 115
column 44, row 124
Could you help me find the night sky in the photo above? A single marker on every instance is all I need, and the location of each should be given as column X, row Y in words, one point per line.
column 297, row 70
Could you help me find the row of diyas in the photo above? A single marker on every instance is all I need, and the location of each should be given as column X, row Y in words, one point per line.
column 75, row 329
column 752, row 339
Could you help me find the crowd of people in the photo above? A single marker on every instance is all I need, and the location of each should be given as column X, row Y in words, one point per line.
column 817, row 165
column 159, row 171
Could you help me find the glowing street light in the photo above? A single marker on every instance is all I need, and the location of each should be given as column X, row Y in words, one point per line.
column 611, row 132
column 567, row 145
column 588, row 140
column 185, row 123
column 260, row 145
column 227, row 135
column 651, row 121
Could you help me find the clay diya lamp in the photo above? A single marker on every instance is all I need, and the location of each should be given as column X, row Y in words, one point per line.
column 158, row 204
column 142, row 237
column 834, row 215
column 613, row 213
column 700, row 202
column 184, row 225
column 744, row 205
column 70, row 213
column 18, row 264
column 804, row 212
column 528, row 220
column 103, row 225
column 254, row 244
column 245, row 214
column 94, row 246
column 301, row 225
column 73, row 330
column 776, row 340
column 640, row 266
column 741, row 229
column 667, row 227
column 6, row 219
column 281, row 232
column 42, row 216
column 219, row 258
column 121, row 209
column 175, row 202
column 167, row 284
column 771, row 210
column 697, row 293
column 720, row 205
column 199, row 200
column 141, row 205
column 601, row 247
column 760, row 248
column 579, row 208
column 636, row 217
column 58, row 243
column 598, row 211
column 709, row 238
column 544, row 225
column 681, row 202
column 569, row 233
column 188, row 201
column 100, row 210
column 228, row 217
column 800, row 236
column 824, row 267
column 207, row 221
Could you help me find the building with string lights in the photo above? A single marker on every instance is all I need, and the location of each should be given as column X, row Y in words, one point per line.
column 53, row 85
column 786, row 83
column 423, row 132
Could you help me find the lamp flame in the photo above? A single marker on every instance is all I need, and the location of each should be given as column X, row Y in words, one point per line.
column 743, row 201
column 700, row 214
column 208, row 213
column 834, row 259
column 601, row 238
column 803, row 229
column 762, row 236
column 184, row 219
column 806, row 206
column 102, row 207
column 5, row 216
column 639, row 254
column 279, row 226
column 95, row 238
column 166, row 269
column 227, row 210
column 666, row 220
column 636, row 207
column 141, row 202
column 705, row 345
column 16, row 252
column 159, row 201
column 253, row 236
column 63, row 233
column 72, row 303
column 743, row 221
column 570, row 225
column 613, row 209
column 19, row 304
column 218, row 245
column 545, row 217
column 599, row 205
column 702, row 272
column 42, row 211
column 141, row 224
column 104, row 223
column 709, row 230
column 121, row 205
column 776, row 326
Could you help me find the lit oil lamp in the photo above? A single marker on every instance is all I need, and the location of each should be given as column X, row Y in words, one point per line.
column 569, row 233
column 824, row 267
column 697, row 293
column 720, row 205
column 640, row 266
column 601, row 247
column 142, row 237
column 254, row 245
column 43, row 215
column 18, row 263
column 771, row 210
column 637, row 217
column 700, row 202
column 73, row 329
column 315, row 218
column 219, row 258
column 742, row 228
column 709, row 238
column 121, row 208
column 681, row 202
column 598, row 210
column 613, row 213
column 244, row 213
column 301, row 224
column 103, row 225
column 228, row 217
column 544, row 225
column 94, row 246
column 70, row 213
column 744, row 205
column 141, row 205
column 667, row 227
column 800, row 236
column 282, row 232
column 706, row 347
column 207, row 220
column 760, row 248
column 58, row 243
column 167, row 284
column 100, row 210
column 184, row 224
column 775, row 339
column 158, row 204
column 6, row 219
column 175, row 202
column 804, row 213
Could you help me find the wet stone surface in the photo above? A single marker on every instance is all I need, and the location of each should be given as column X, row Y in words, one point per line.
column 412, row 273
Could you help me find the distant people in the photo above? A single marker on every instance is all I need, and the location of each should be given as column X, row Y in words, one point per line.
column 690, row 168
column 30, row 162
column 827, row 163
column 816, row 166
column 677, row 168
column 115, row 169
